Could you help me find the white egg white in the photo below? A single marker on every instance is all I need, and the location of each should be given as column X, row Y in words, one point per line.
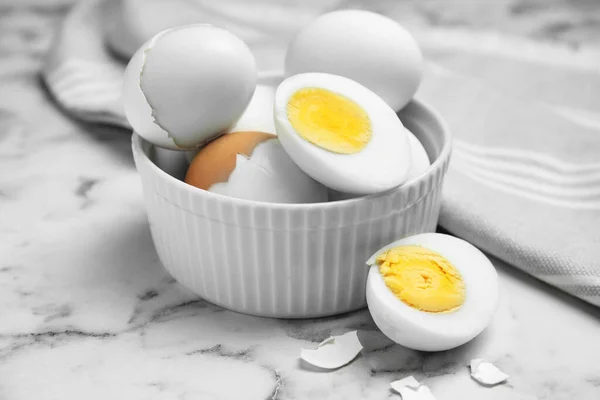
column 426, row 331
column 419, row 165
column 187, row 85
column 259, row 114
column 269, row 175
column 420, row 160
column 383, row 164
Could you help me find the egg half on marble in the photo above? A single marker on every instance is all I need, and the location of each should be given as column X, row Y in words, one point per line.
column 187, row 85
column 431, row 291
column 341, row 133
column 252, row 165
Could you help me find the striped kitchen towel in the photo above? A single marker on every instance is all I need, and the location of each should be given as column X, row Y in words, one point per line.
column 523, row 183
column 524, row 180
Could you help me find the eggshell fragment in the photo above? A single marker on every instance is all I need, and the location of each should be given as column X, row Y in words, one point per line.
column 487, row 373
column 334, row 352
column 410, row 389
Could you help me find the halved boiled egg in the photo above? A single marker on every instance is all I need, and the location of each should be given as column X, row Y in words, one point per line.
column 341, row 133
column 431, row 291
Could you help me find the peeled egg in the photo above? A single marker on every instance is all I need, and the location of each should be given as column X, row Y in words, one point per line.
column 188, row 85
column 369, row 48
column 341, row 133
column 419, row 165
column 420, row 160
column 253, row 166
column 431, row 291
column 259, row 114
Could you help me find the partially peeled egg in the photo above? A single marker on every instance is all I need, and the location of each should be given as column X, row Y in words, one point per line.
column 187, row 85
column 431, row 291
column 252, row 165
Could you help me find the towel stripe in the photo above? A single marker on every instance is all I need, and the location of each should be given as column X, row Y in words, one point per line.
column 536, row 173
column 527, row 194
column 531, row 184
column 570, row 280
column 528, row 174
column 526, row 157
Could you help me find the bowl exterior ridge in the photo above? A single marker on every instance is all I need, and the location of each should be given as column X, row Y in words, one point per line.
column 277, row 260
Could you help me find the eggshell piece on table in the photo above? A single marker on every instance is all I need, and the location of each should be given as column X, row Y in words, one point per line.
column 334, row 352
column 367, row 47
column 487, row 373
column 187, row 85
column 410, row 389
column 253, row 166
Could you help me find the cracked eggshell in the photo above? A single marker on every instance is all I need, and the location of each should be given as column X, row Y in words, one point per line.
column 188, row 85
column 410, row 389
column 487, row 373
column 253, row 166
column 334, row 352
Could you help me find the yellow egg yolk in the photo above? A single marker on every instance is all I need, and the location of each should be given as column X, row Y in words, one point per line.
column 329, row 120
column 422, row 278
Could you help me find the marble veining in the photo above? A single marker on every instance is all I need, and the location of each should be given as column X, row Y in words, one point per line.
column 87, row 311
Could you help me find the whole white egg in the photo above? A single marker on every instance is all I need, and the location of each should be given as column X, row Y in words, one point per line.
column 436, row 291
column 369, row 48
column 341, row 133
column 188, row 85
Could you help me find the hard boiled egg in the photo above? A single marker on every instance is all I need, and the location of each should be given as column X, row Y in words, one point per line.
column 188, row 85
column 431, row 291
column 341, row 133
column 259, row 114
column 419, row 165
column 253, row 166
column 367, row 47
column 420, row 160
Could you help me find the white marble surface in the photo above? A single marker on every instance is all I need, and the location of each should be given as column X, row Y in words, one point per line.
column 88, row 312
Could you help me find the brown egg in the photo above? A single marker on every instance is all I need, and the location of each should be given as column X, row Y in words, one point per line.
column 216, row 161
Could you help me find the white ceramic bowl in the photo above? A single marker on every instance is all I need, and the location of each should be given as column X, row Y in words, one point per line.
column 287, row 260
